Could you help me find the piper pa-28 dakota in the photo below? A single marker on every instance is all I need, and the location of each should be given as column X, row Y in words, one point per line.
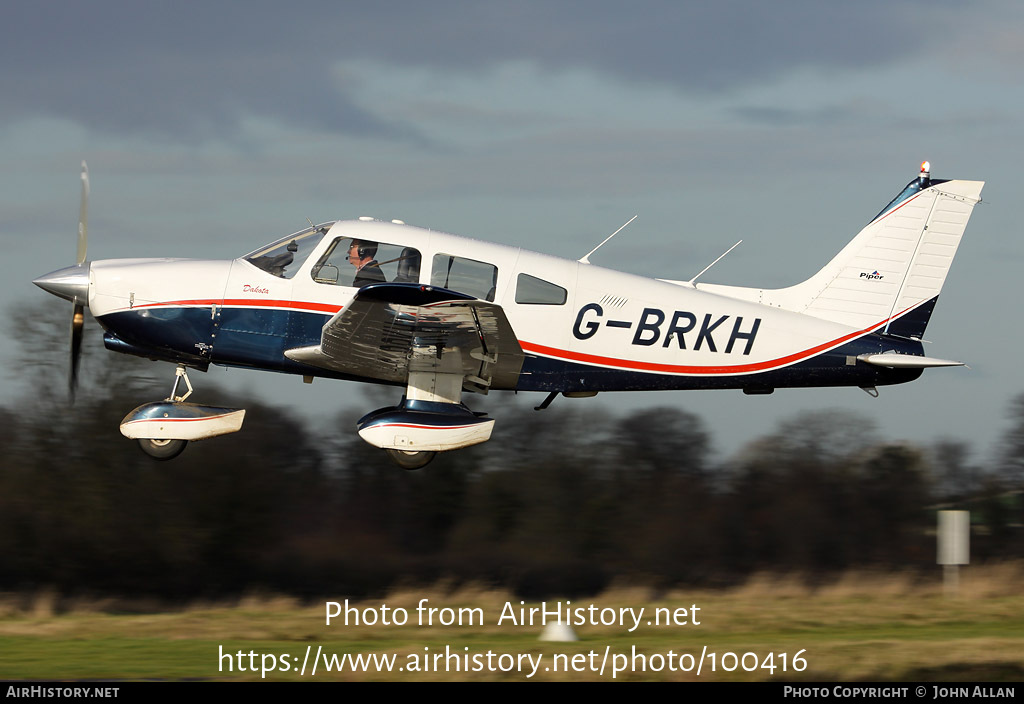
column 440, row 315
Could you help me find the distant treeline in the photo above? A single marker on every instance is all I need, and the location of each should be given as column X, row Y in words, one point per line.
column 559, row 502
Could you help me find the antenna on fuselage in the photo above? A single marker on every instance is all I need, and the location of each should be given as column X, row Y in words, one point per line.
column 314, row 227
column 721, row 256
column 586, row 257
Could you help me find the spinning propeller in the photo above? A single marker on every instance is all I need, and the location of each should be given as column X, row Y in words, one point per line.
column 72, row 283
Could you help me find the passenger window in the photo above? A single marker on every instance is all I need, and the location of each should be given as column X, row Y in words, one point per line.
column 465, row 276
column 530, row 289
column 354, row 262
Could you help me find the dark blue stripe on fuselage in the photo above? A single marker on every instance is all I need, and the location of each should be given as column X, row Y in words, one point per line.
column 234, row 337
column 258, row 337
column 827, row 369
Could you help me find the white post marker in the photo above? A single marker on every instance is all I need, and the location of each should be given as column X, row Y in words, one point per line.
column 558, row 632
column 954, row 547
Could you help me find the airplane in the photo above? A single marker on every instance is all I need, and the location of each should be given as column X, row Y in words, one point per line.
column 440, row 316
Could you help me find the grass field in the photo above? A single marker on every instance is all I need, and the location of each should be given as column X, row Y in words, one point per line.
column 861, row 627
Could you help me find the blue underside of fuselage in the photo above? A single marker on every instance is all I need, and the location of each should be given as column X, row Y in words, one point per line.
column 257, row 338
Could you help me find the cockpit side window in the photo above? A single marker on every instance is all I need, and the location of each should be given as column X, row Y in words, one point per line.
column 284, row 257
column 350, row 261
column 530, row 289
column 464, row 275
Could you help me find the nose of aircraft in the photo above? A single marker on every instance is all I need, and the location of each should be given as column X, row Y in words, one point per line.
column 71, row 282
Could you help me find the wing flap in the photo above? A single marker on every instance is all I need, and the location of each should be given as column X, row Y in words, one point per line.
column 392, row 329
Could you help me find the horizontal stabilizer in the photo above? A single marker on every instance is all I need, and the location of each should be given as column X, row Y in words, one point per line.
column 906, row 361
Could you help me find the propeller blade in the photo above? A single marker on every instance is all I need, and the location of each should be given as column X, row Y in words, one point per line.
column 77, row 324
column 78, row 316
column 83, row 216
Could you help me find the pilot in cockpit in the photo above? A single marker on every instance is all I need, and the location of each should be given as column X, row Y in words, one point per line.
column 361, row 255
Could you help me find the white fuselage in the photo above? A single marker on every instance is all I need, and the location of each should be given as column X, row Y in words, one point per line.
column 611, row 331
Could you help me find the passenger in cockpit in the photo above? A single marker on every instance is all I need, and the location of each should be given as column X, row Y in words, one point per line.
column 361, row 255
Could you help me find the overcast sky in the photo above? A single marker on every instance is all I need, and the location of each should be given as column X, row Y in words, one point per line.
column 212, row 128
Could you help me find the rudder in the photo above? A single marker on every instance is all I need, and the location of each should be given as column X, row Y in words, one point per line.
column 893, row 270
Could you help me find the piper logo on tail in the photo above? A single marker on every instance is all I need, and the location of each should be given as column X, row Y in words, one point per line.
column 872, row 275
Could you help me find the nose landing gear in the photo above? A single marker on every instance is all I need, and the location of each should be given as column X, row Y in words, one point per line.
column 165, row 428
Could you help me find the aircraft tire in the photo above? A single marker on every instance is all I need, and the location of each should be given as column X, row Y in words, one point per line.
column 410, row 460
column 162, row 449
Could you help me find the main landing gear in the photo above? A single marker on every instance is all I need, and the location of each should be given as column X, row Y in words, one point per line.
column 431, row 418
column 410, row 460
column 162, row 449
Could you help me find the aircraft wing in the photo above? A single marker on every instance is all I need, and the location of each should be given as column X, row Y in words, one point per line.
column 392, row 329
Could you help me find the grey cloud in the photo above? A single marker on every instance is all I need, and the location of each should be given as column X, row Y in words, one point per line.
column 784, row 117
column 694, row 45
column 133, row 67
column 193, row 71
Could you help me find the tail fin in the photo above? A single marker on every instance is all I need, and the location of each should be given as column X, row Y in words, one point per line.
column 893, row 270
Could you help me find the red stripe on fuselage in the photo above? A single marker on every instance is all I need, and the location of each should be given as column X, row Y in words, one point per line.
column 178, row 420
column 427, row 427
column 695, row 369
column 247, row 303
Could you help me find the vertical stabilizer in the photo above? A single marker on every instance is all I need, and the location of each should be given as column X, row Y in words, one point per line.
column 894, row 268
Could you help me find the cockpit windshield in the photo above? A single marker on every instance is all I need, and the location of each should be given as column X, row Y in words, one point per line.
column 286, row 256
